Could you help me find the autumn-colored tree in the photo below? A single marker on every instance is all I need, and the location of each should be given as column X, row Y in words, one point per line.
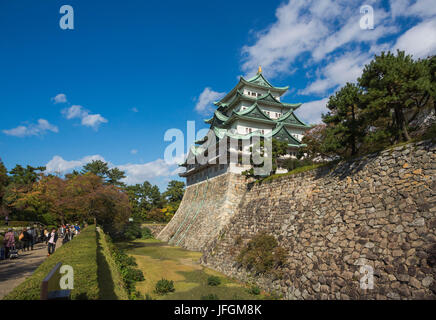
column 53, row 192
column 4, row 181
column 92, row 199
column 314, row 140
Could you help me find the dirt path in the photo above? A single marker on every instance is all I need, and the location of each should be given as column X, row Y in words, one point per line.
column 13, row 272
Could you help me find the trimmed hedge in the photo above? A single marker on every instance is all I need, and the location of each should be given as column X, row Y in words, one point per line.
column 126, row 267
column 81, row 254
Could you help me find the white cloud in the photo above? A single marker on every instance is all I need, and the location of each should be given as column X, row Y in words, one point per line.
column 326, row 35
column 309, row 28
column 135, row 173
column 59, row 98
column 40, row 128
column 87, row 119
column 93, row 120
column 205, row 100
column 59, row 165
column 420, row 41
column 310, row 112
column 419, row 8
column 74, row 111
column 138, row 173
column 345, row 68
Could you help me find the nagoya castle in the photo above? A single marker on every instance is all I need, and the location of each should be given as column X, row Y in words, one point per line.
column 251, row 108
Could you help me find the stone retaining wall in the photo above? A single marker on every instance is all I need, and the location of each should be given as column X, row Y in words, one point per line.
column 379, row 211
column 205, row 209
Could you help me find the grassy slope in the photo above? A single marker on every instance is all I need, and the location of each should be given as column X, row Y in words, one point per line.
column 81, row 254
column 158, row 260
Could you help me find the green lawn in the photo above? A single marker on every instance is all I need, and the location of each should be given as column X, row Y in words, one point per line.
column 158, row 260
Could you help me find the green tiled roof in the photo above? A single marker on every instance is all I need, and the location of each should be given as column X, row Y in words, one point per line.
column 267, row 98
column 260, row 80
column 255, row 113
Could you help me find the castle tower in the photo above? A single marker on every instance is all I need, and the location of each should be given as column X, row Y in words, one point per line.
column 252, row 107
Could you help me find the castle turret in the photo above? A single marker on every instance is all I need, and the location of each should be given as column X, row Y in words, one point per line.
column 252, row 107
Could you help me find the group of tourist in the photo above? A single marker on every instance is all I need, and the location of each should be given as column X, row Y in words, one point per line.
column 28, row 237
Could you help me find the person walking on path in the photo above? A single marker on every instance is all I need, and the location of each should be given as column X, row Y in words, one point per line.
column 41, row 236
column 31, row 233
column 46, row 234
column 24, row 238
column 52, row 241
column 9, row 242
column 67, row 236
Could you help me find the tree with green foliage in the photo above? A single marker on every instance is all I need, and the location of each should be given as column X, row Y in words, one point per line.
column 97, row 167
column 431, row 89
column 175, row 191
column 21, row 176
column 344, row 124
column 393, row 85
column 115, row 176
column 101, row 169
column 144, row 198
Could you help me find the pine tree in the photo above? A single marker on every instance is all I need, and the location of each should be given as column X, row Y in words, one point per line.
column 344, row 126
column 393, row 86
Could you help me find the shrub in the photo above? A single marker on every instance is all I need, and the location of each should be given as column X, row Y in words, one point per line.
column 262, row 253
column 129, row 274
column 210, row 297
column 131, row 232
column 136, row 296
column 291, row 164
column 213, row 281
column 146, row 233
column 255, row 290
column 164, row 286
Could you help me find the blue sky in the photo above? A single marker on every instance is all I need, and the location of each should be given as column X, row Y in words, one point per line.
column 130, row 70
